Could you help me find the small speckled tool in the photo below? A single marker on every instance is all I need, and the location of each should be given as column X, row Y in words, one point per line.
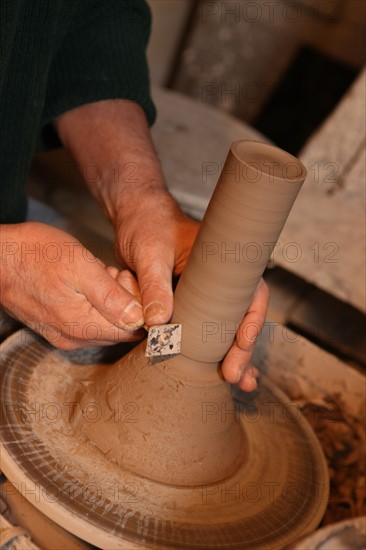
column 163, row 340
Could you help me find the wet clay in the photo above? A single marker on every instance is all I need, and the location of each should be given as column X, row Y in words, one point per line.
column 171, row 444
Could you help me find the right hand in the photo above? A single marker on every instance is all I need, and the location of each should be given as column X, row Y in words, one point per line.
column 51, row 283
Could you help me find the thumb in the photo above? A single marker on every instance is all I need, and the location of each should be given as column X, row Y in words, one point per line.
column 155, row 282
column 110, row 299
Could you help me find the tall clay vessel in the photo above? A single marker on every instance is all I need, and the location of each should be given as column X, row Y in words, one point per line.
column 208, row 466
column 252, row 200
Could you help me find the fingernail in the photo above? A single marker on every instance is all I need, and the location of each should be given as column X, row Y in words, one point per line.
column 250, row 372
column 251, row 378
column 254, row 384
column 132, row 317
column 245, row 370
column 240, row 373
column 153, row 311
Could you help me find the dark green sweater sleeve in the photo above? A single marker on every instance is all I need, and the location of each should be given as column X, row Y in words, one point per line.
column 102, row 57
column 60, row 54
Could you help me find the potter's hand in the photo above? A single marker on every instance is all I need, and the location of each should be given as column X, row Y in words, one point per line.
column 237, row 366
column 153, row 236
column 54, row 285
column 154, row 239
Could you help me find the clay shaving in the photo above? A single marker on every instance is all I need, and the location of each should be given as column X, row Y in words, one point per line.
column 343, row 439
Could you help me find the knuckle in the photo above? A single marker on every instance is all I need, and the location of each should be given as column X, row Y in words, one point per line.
column 111, row 298
column 245, row 342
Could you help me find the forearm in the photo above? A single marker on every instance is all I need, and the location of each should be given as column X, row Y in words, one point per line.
column 114, row 138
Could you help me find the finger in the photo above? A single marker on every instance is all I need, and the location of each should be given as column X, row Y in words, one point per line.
column 235, row 362
column 155, row 282
column 248, row 381
column 252, row 324
column 113, row 271
column 240, row 354
column 126, row 279
column 110, row 299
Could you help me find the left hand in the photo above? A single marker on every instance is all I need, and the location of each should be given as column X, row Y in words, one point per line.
column 237, row 366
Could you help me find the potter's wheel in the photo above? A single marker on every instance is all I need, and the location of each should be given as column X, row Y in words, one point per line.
column 278, row 495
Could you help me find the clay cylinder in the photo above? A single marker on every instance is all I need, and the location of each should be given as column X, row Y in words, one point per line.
column 248, row 209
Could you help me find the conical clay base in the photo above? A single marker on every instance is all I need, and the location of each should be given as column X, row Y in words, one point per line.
column 176, row 433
